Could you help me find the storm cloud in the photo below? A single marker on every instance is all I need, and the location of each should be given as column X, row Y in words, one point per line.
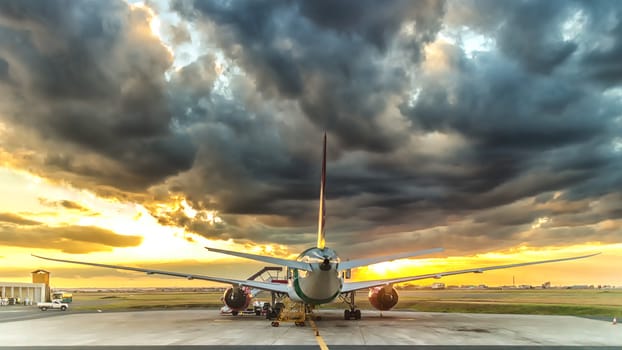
column 87, row 80
column 469, row 124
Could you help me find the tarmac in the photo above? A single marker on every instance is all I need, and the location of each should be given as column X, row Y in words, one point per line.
column 205, row 327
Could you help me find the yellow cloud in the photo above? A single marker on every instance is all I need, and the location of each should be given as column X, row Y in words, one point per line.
column 69, row 239
column 16, row 219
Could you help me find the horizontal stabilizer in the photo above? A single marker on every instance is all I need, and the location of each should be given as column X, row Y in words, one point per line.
column 350, row 264
column 269, row 259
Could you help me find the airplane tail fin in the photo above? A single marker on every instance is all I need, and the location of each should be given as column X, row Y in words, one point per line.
column 322, row 212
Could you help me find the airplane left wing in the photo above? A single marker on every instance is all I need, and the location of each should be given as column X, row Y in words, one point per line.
column 352, row 286
column 271, row 287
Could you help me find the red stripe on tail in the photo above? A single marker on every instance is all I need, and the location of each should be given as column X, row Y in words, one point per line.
column 322, row 211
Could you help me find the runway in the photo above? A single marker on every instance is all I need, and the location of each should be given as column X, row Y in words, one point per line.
column 209, row 328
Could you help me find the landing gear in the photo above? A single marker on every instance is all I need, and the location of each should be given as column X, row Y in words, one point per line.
column 353, row 312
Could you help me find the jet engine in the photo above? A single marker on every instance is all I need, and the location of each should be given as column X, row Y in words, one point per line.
column 383, row 298
column 237, row 299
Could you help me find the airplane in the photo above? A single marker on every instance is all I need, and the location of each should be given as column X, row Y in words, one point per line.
column 318, row 276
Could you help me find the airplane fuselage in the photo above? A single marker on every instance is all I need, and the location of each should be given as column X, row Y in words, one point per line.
column 321, row 285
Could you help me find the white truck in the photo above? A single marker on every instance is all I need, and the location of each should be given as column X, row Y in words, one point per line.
column 55, row 304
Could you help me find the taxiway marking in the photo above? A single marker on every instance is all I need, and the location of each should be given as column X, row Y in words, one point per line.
column 318, row 337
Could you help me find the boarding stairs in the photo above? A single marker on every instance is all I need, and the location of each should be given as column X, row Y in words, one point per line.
column 266, row 274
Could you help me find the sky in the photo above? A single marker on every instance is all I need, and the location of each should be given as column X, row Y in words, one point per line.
column 140, row 132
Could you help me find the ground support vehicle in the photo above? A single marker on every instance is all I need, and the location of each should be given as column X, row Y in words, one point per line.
column 290, row 311
column 56, row 304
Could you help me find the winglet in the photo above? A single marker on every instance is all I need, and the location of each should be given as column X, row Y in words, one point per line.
column 322, row 212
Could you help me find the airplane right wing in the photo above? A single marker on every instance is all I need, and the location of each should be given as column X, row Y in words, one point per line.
column 271, row 287
column 350, row 264
column 352, row 286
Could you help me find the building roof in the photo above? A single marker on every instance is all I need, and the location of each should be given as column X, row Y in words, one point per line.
column 40, row 271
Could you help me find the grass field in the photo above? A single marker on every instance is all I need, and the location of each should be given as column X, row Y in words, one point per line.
column 591, row 302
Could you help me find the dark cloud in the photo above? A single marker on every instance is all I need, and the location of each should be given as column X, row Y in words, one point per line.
column 259, row 229
column 433, row 138
column 89, row 78
column 253, row 163
column 324, row 56
column 543, row 36
column 377, row 25
column 603, row 42
column 522, row 129
column 530, row 31
column 4, row 69
column 528, row 134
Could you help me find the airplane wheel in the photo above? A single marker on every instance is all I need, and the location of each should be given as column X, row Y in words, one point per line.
column 357, row 314
column 346, row 315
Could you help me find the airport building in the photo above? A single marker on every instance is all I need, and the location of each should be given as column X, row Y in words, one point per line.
column 29, row 293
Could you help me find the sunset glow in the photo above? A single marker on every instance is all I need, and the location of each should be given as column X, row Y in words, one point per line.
column 175, row 248
column 140, row 132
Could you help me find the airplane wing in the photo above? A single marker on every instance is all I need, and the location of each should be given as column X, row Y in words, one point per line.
column 271, row 287
column 350, row 264
column 269, row 259
column 352, row 286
